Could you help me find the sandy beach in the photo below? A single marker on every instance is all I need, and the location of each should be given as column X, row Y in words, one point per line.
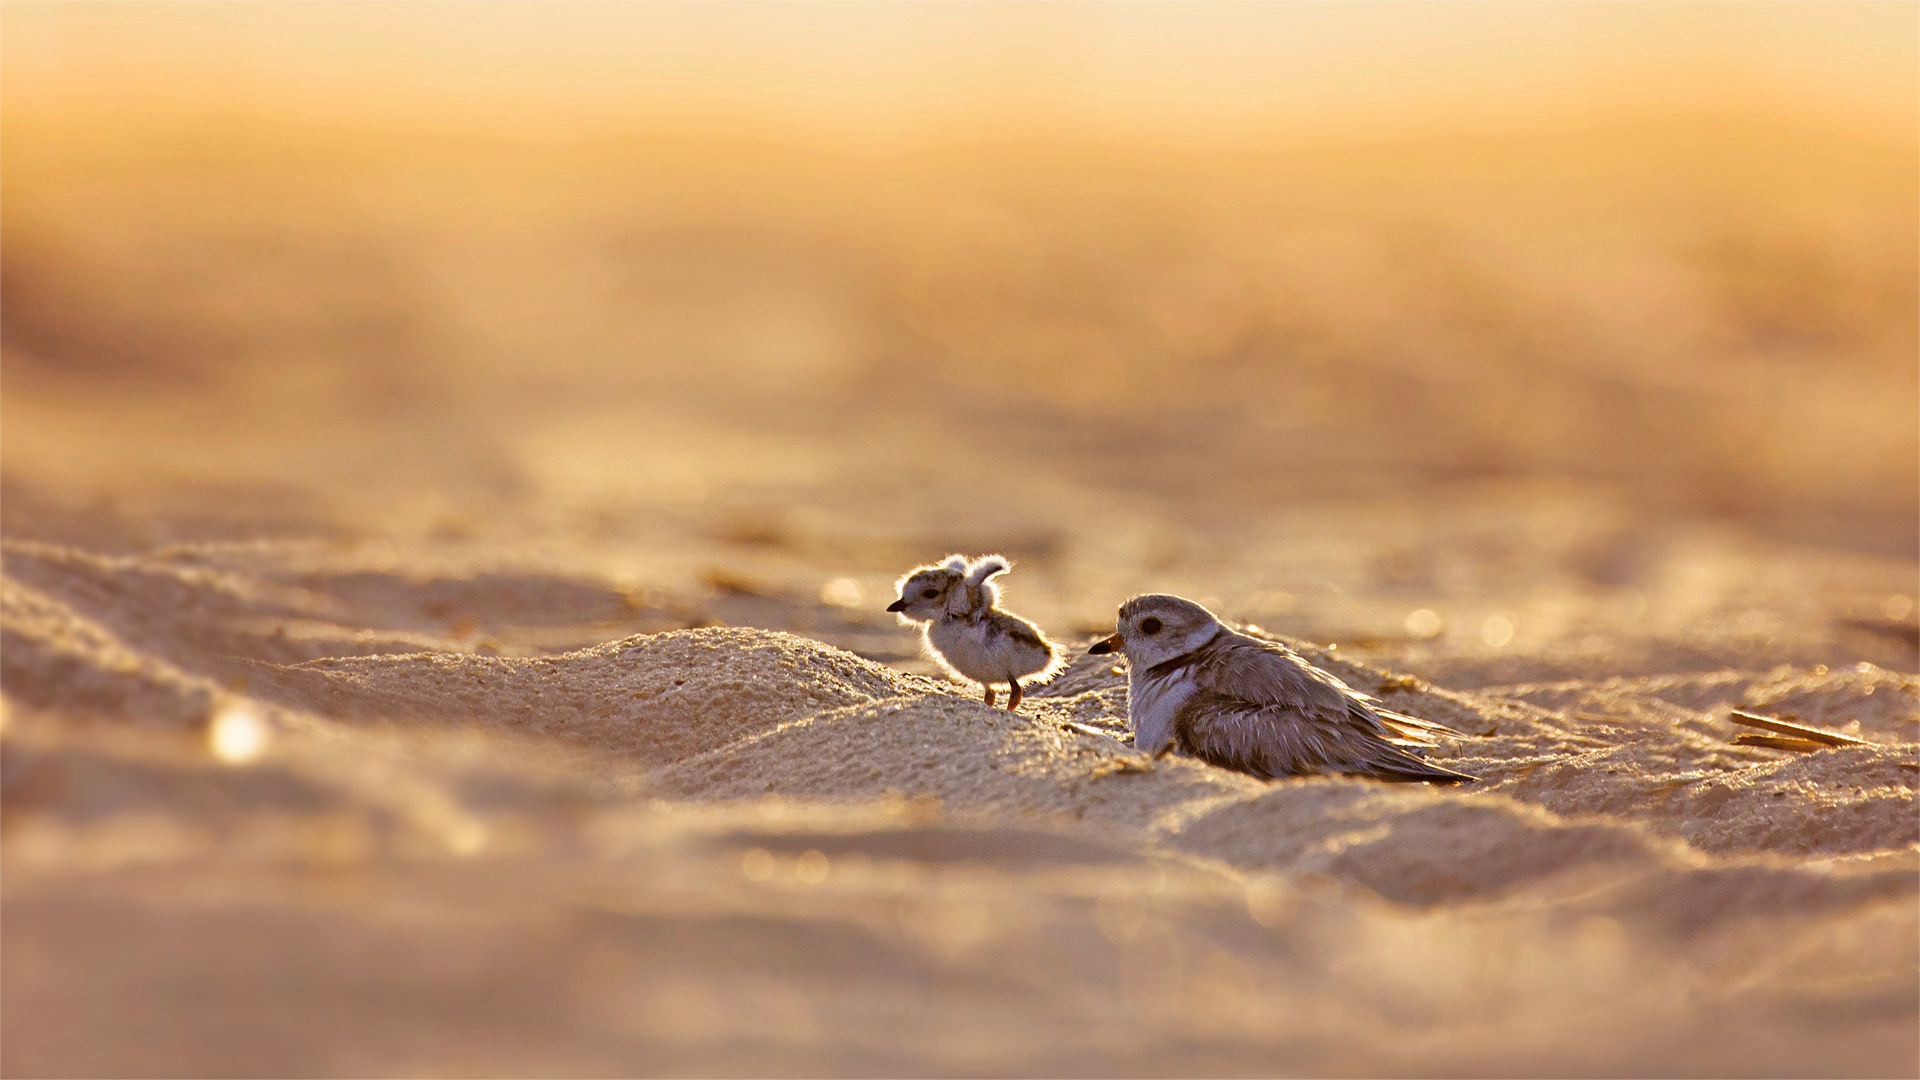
column 443, row 562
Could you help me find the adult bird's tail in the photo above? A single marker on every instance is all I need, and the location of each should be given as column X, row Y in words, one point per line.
column 1401, row 767
column 1405, row 730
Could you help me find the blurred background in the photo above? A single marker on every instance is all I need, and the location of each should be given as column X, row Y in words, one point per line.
column 1576, row 316
column 362, row 365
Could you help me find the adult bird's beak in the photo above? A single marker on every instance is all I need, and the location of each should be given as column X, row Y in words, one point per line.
column 1106, row 645
column 897, row 605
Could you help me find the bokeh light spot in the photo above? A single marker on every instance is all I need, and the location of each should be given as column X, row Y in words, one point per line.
column 1425, row 623
column 811, row 869
column 1268, row 902
column 757, row 864
column 238, row 735
column 843, row 592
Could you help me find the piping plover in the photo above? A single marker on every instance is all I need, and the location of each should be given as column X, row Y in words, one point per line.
column 1198, row 687
column 957, row 604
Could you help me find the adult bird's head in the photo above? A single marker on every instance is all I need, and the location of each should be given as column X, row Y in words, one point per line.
column 1156, row 628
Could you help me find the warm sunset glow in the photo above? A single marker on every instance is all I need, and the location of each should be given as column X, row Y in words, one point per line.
column 1173, row 67
column 955, row 538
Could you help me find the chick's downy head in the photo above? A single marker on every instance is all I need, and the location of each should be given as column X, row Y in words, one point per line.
column 928, row 592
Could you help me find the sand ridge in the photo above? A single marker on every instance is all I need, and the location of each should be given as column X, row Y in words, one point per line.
column 729, row 713
column 750, row 796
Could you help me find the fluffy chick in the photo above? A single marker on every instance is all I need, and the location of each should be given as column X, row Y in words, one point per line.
column 956, row 603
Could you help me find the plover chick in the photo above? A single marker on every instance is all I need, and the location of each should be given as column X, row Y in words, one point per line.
column 957, row 604
column 1198, row 687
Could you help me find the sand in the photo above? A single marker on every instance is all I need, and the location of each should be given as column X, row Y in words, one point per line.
column 444, row 551
column 721, row 850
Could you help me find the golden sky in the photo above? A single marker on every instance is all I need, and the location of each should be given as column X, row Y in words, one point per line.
column 883, row 67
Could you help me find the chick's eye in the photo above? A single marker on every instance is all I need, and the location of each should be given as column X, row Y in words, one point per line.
column 929, row 593
column 1149, row 625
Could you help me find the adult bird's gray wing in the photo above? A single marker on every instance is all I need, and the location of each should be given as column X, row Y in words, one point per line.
column 1263, row 710
column 1269, row 741
column 1268, row 672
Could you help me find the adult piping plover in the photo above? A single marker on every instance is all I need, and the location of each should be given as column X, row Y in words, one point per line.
column 957, row 604
column 1197, row 687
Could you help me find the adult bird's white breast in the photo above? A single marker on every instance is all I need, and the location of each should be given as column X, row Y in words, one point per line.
column 1152, row 704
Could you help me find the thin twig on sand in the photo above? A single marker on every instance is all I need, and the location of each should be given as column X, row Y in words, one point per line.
column 1778, row 742
column 1794, row 732
column 1086, row 729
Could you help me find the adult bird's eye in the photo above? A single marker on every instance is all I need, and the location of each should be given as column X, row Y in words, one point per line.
column 1149, row 625
column 929, row 593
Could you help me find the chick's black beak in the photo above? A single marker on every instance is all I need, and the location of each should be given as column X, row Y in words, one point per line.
column 897, row 605
column 1106, row 645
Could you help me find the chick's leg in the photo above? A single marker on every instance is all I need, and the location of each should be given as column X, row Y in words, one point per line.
column 1013, row 702
column 988, row 687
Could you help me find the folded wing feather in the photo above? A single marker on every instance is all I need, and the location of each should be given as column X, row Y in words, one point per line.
column 1267, row 712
